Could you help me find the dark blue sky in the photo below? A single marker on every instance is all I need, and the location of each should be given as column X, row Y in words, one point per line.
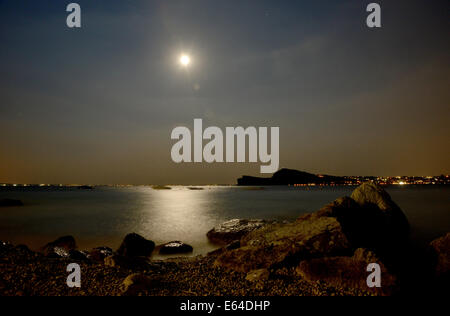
column 98, row 104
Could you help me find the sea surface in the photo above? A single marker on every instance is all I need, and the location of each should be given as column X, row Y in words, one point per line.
column 103, row 216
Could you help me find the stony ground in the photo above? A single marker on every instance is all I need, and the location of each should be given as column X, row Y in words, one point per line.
column 23, row 272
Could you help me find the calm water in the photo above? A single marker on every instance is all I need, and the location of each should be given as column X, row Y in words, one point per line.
column 105, row 215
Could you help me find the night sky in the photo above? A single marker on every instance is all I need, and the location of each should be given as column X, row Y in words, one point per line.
column 97, row 105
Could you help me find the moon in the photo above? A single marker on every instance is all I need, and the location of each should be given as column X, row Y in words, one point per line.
column 185, row 60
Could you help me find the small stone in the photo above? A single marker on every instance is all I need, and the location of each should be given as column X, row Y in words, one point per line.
column 257, row 275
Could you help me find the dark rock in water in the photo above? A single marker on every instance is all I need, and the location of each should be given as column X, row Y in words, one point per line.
column 233, row 230
column 175, row 247
column 100, row 253
column 441, row 250
column 135, row 245
column 60, row 247
column 347, row 272
column 286, row 244
column 10, row 202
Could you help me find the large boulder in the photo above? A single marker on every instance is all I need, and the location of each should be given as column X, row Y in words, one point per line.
column 441, row 250
column 60, row 247
column 175, row 247
column 370, row 195
column 286, row 244
column 347, row 272
column 135, row 245
column 234, row 229
column 10, row 202
column 370, row 219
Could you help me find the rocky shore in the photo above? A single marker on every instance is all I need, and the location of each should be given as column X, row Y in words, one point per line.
column 323, row 253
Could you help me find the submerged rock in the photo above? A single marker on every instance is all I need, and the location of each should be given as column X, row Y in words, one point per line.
column 10, row 202
column 234, row 229
column 175, row 247
column 161, row 187
column 441, row 250
column 135, row 245
column 286, row 244
column 60, row 247
column 347, row 272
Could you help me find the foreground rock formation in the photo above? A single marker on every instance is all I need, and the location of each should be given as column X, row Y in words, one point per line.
column 234, row 229
column 368, row 219
column 283, row 244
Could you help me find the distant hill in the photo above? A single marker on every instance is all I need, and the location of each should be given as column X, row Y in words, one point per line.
column 289, row 176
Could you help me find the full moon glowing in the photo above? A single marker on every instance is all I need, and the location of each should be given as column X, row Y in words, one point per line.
column 185, row 60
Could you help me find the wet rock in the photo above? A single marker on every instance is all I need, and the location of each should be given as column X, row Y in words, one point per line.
column 100, row 253
column 135, row 245
column 257, row 275
column 233, row 230
column 60, row 247
column 441, row 250
column 286, row 244
column 175, row 247
column 347, row 272
column 135, row 284
column 10, row 202
column 57, row 252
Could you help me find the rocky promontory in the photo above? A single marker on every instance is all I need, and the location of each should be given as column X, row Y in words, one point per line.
column 290, row 177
